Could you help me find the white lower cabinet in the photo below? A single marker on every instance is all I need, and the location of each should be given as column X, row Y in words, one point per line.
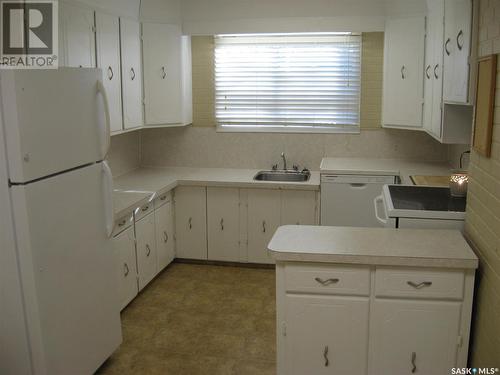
column 326, row 335
column 340, row 319
column 298, row 207
column 223, row 223
column 414, row 337
column 124, row 247
column 164, row 223
column 264, row 217
column 191, row 222
column 146, row 249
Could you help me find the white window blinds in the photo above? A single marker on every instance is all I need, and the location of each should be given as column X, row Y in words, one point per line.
column 288, row 82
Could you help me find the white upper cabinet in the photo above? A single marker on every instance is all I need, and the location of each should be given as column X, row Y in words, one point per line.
column 108, row 59
column 130, row 35
column 165, row 74
column 76, row 36
column 457, row 35
column 403, row 72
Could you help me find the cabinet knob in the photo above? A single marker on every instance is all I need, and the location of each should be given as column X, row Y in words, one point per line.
column 327, row 281
column 413, row 360
column 459, row 35
column 148, row 250
column 325, row 356
column 110, row 73
column 446, row 46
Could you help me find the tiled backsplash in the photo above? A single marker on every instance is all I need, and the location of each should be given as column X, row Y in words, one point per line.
column 205, row 147
column 125, row 153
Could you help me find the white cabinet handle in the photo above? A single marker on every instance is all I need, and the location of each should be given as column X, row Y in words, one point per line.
column 427, row 72
column 165, row 236
column 446, row 46
column 145, row 208
column 164, row 73
column 132, row 74
column 148, row 250
column 327, row 281
column 125, row 266
column 419, row 285
column 435, row 71
column 110, row 73
column 460, row 46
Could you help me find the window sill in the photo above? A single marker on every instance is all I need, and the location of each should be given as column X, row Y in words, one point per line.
column 290, row 130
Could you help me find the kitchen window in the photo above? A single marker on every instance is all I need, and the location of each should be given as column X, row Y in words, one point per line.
column 299, row 83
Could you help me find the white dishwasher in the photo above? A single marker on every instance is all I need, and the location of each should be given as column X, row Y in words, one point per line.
column 347, row 200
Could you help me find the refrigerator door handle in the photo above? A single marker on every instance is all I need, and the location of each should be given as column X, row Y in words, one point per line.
column 108, row 198
column 107, row 131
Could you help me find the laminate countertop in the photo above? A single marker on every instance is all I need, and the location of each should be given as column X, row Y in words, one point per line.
column 143, row 184
column 373, row 246
column 389, row 167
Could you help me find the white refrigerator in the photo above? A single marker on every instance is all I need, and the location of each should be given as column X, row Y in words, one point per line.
column 55, row 139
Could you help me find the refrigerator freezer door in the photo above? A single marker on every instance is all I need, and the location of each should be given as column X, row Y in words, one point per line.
column 68, row 271
column 55, row 120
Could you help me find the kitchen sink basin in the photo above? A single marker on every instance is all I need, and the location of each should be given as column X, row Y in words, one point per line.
column 284, row 176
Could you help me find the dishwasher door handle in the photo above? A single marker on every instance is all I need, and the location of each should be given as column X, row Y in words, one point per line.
column 358, row 185
column 376, row 201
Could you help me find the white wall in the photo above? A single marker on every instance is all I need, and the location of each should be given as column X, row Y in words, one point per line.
column 168, row 11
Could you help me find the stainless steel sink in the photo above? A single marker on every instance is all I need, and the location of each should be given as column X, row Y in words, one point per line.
column 283, row 175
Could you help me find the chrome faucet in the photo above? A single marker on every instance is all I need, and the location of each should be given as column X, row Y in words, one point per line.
column 284, row 160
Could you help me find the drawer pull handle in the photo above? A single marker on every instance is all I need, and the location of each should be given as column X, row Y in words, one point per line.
column 413, row 365
column 327, row 281
column 110, row 73
column 165, row 236
column 145, row 208
column 190, row 223
column 163, row 198
column 164, row 73
column 419, row 285
column 325, row 356
column 125, row 266
column 122, row 223
column 148, row 250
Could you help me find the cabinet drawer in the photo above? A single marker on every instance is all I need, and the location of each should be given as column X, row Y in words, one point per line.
column 144, row 210
column 123, row 223
column 415, row 283
column 341, row 280
column 162, row 199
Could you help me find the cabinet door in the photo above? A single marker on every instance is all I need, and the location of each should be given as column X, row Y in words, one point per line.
column 435, row 18
column 162, row 73
column 264, row 218
column 428, row 74
column 77, row 38
column 124, row 246
column 457, row 26
column 164, row 221
column 403, row 72
column 326, row 335
column 146, row 249
column 130, row 37
column 223, row 224
column 108, row 59
column 414, row 337
column 298, row 207
column 191, row 222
